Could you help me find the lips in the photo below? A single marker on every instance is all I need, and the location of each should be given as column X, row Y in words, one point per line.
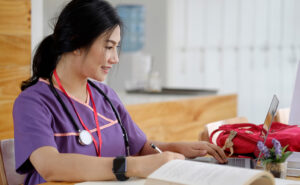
column 106, row 68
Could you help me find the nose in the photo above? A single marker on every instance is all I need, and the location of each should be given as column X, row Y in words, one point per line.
column 114, row 58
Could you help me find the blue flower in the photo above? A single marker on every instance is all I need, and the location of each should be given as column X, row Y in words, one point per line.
column 276, row 154
column 277, row 147
column 263, row 149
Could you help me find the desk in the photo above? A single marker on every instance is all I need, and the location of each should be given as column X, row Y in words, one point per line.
column 69, row 183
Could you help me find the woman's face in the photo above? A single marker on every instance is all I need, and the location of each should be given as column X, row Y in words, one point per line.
column 102, row 55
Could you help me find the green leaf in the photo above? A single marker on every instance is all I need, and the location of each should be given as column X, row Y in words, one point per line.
column 283, row 150
column 285, row 156
column 267, row 161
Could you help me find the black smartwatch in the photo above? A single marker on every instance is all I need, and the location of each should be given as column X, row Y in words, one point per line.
column 120, row 168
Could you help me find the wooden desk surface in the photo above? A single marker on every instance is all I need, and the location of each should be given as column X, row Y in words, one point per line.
column 70, row 183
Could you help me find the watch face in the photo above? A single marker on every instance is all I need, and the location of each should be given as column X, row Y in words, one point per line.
column 120, row 165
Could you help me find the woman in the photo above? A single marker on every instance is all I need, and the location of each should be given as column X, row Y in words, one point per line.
column 69, row 129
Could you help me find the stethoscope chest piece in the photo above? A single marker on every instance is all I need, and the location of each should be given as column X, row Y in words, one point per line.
column 85, row 138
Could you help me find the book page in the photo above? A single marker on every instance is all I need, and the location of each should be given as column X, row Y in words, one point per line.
column 190, row 172
column 286, row 182
column 131, row 181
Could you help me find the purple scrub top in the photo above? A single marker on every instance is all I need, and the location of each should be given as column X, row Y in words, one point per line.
column 39, row 120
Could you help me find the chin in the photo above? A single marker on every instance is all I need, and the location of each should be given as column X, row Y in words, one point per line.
column 99, row 78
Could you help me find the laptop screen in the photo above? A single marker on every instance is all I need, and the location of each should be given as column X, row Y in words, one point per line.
column 268, row 121
column 270, row 115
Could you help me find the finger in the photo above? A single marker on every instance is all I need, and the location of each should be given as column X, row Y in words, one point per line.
column 175, row 155
column 213, row 153
column 196, row 153
column 213, row 150
column 219, row 151
column 202, row 152
column 180, row 156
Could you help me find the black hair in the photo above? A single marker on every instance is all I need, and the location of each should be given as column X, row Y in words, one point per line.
column 78, row 26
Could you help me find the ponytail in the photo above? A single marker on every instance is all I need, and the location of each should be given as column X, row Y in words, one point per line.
column 44, row 62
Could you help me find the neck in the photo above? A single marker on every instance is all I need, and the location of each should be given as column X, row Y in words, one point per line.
column 71, row 80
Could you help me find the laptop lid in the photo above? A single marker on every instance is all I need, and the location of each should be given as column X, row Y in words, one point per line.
column 270, row 116
column 268, row 121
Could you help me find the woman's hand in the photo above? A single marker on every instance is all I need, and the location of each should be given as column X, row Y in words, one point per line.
column 143, row 166
column 200, row 148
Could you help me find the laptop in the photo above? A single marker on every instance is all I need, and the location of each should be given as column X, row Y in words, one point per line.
column 247, row 162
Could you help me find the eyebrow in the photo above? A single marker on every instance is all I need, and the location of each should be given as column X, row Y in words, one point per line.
column 112, row 41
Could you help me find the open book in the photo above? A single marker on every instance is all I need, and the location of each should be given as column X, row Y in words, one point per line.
column 184, row 172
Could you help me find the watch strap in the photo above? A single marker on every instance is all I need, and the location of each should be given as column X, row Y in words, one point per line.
column 118, row 162
column 121, row 176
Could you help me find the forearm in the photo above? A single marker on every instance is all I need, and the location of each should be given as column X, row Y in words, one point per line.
column 163, row 146
column 76, row 167
column 188, row 149
column 54, row 166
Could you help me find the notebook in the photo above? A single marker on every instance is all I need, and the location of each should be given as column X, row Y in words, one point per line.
column 247, row 162
column 293, row 165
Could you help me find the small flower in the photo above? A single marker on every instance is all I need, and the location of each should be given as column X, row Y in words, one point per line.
column 276, row 154
column 277, row 147
column 263, row 149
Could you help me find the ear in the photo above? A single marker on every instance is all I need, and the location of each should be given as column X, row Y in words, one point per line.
column 77, row 52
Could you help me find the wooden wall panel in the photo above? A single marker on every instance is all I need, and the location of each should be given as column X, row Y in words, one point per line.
column 182, row 120
column 14, row 57
column 15, row 17
column 15, row 50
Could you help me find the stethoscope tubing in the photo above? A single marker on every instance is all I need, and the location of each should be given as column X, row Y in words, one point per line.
column 125, row 135
column 63, row 105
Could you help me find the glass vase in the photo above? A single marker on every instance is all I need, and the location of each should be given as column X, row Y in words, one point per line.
column 279, row 170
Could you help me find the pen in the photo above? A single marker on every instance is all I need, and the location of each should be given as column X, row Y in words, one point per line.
column 155, row 148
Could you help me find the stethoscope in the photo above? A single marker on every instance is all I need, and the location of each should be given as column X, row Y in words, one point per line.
column 84, row 137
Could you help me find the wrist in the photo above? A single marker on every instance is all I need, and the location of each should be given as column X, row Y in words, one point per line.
column 173, row 147
column 132, row 167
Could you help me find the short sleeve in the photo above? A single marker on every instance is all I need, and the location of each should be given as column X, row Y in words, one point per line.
column 32, row 129
column 136, row 136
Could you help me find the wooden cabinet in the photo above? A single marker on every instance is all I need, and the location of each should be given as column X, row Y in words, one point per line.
column 182, row 120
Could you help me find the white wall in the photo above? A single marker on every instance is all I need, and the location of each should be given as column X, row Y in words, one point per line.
column 155, row 41
column 43, row 17
column 36, row 22
column 52, row 9
column 249, row 47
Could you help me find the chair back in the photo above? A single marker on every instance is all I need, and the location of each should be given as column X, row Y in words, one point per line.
column 8, row 173
column 282, row 115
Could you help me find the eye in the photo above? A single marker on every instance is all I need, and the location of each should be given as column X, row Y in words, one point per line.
column 109, row 47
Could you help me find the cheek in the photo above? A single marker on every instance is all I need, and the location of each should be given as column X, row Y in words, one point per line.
column 100, row 58
column 100, row 53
